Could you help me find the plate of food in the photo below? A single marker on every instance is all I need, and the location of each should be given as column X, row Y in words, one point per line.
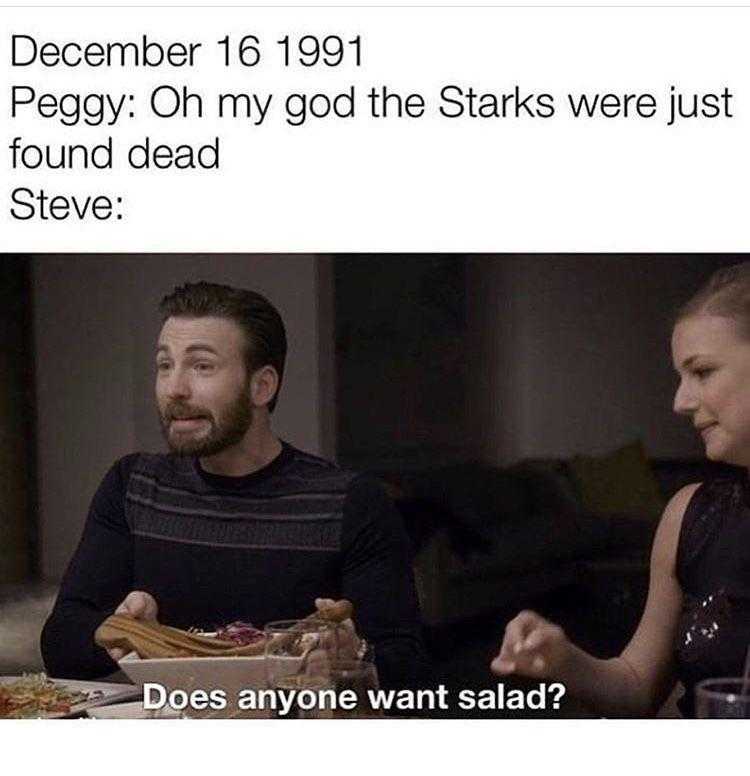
column 36, row 696
column 229, row 660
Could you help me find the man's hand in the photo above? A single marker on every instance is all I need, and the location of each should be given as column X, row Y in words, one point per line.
column 348, row 643
column 139, row 605
column 532, row 646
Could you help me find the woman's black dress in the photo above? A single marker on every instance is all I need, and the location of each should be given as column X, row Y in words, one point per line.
column 713, row 569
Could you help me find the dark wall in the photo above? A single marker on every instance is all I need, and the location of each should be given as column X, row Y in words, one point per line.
column 504, row 357
column 575, row 352
column 18, row 551
column 400, row 326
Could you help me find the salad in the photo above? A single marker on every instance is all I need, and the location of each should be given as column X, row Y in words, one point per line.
column 35, row 695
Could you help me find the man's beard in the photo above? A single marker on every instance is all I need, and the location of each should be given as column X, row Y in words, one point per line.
column 225, row 430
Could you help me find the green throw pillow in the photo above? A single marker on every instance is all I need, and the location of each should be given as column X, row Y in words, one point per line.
column 620, row 483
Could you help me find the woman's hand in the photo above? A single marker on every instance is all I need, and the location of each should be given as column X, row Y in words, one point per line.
column 532, row 646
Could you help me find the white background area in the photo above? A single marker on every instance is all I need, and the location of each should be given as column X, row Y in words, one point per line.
column 429, row 184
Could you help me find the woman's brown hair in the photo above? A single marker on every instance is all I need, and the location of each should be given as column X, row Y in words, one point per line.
column 726, row 294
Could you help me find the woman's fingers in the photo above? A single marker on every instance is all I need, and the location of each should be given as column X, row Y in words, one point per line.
column 536, row 639
column 502, row 666
column 529, row 646
column 517, row 631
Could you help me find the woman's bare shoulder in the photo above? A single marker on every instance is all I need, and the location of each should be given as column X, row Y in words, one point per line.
column 668, row 532
column 677, row 505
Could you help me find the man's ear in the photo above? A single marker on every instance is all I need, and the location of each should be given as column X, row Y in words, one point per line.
column 263, row 386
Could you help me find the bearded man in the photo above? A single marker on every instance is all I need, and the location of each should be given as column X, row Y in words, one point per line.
column 233, row 524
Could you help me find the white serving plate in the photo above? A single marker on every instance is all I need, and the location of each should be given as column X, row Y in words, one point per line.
column 230, row 674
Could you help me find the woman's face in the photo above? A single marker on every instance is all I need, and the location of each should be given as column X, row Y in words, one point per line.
column 713, row 362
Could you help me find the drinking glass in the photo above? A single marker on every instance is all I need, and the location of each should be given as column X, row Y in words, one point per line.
column 722, row 699
column 359, row 675
column 298, row 656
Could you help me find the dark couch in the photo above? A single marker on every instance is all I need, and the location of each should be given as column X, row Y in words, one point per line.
column 490, row 538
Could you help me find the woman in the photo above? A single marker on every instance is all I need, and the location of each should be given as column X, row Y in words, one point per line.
column 696, row 623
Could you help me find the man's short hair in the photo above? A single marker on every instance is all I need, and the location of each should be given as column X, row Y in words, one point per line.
column 265, row 336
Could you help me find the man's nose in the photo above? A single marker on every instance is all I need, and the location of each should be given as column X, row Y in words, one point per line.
column 178, row 385
column 685, row 400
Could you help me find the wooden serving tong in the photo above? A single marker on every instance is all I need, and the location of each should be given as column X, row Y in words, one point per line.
column 151, row 639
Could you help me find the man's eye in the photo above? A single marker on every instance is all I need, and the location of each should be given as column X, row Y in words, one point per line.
column 162, row 366
column 204, row 367
column 703, row 372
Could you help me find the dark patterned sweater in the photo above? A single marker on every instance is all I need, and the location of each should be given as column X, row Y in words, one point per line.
column 214, row 549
